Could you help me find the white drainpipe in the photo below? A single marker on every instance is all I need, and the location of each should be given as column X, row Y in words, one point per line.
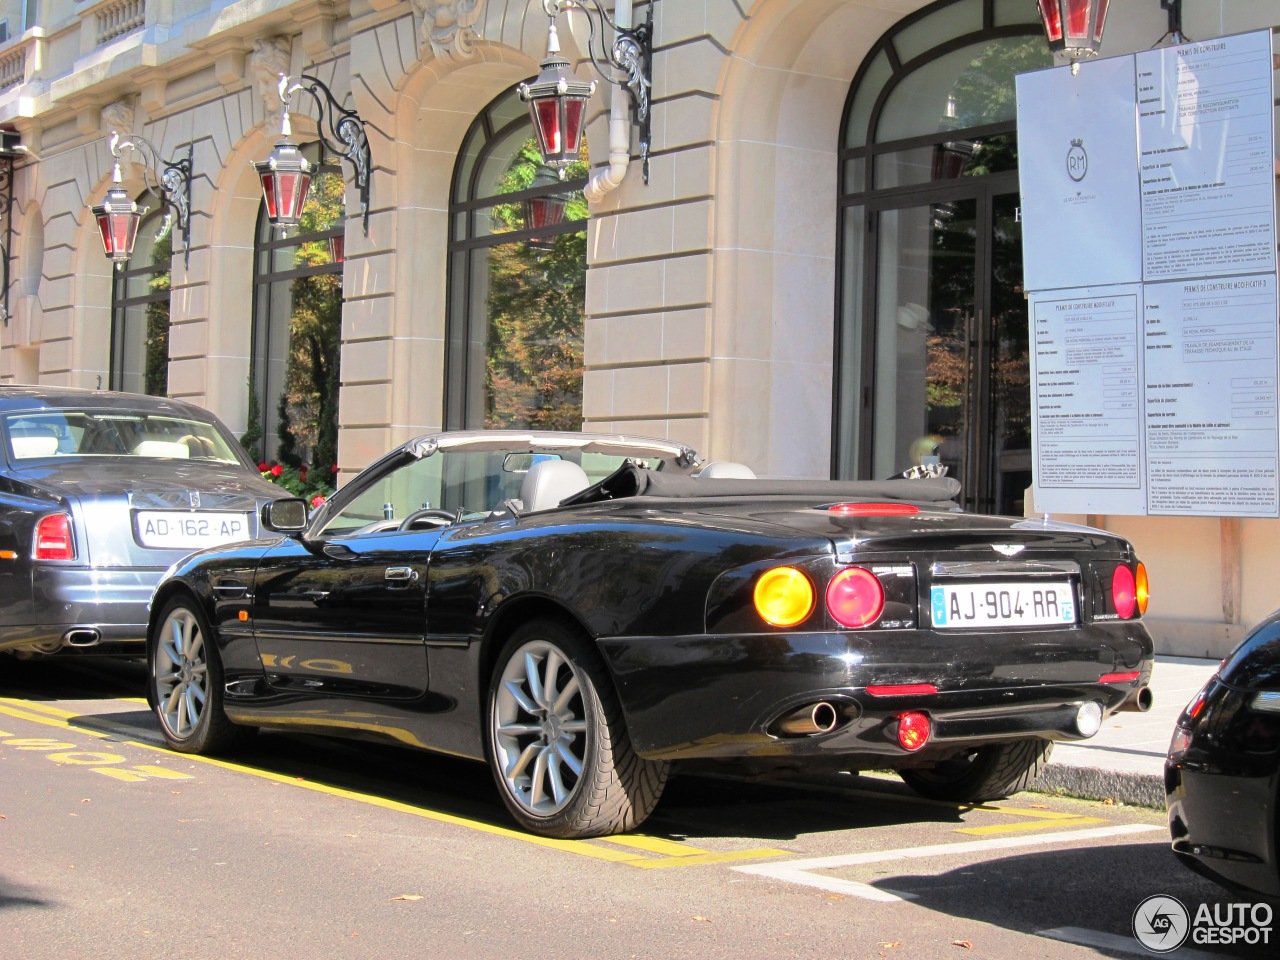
column 608, row 178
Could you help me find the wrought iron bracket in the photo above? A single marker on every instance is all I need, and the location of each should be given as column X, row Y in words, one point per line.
column 631, row 53
column 345, row 135
column 168, row 179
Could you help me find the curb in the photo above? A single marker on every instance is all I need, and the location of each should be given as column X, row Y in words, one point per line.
column 1091, row 783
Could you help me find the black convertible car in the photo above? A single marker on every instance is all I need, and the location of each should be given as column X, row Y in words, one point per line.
column 581, row 611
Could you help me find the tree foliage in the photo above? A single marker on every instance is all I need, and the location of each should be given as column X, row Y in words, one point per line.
column 536, row 313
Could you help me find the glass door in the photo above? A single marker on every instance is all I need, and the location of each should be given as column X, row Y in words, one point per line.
column 951, row 377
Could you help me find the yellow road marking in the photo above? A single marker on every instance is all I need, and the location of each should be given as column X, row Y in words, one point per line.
column 687, row 856
column 696, row 857
column 1046, row 824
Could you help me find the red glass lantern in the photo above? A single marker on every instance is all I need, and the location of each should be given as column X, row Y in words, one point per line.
column 338, row 248
column 546, row 210
column 286, row 178
column 557, row 105
column 1074, row 26
column 118, row 218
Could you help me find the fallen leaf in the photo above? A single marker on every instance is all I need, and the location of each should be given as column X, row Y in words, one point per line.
column 3, row 817
column 890, row 944
column 962, row 943
column 86, row 800
column 703, row 919
column 407, row 896
column 1039, row 806
column 1108, row 802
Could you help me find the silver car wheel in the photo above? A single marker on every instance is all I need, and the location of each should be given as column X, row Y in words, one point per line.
column 181, row 674
column 540, row 728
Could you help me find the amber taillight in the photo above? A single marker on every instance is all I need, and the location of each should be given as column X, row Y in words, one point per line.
column 53, row 538
column 1140, row 589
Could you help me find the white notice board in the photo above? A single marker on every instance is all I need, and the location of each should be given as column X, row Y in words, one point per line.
column 1153, row 287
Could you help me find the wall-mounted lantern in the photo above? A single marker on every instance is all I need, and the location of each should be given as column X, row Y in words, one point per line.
column 558, row 100
column 286, row 173
column 118, row 216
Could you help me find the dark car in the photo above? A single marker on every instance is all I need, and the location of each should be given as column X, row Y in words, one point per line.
column 1222, row 775
column 581, row 611
column 100, row 492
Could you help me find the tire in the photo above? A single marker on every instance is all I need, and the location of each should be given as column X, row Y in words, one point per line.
column 185, row 676
column 557, row 742
column 992, row 772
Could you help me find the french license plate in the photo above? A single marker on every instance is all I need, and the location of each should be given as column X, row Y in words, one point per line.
column 1002, row 604
column 182, row 529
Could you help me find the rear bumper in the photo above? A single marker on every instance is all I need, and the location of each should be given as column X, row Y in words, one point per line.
column 722, row 696
column 89, row 609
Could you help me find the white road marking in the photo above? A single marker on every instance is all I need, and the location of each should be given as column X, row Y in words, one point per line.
column 1109, row 941
column 798, row 871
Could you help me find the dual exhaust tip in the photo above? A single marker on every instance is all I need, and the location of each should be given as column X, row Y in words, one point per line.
column 811, row 719
column 81, row 637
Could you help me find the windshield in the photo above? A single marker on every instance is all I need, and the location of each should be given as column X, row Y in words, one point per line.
column 461, row 479
column 114, row 433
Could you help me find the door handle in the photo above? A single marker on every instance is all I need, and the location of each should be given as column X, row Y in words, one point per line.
column 401, row 574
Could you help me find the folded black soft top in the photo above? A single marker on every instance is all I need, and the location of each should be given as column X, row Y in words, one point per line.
column 633, row 480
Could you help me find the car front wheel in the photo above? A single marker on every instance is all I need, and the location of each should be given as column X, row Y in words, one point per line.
column 558, row 745
column 186, row 681
column 992, row 772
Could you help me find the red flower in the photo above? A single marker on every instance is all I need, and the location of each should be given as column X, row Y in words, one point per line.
column 316, row 501
column 263, row 468
column 302, row 473
column 277, row 470
column 334, row 468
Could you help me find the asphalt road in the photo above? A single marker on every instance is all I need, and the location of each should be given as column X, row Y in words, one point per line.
column 301, row 847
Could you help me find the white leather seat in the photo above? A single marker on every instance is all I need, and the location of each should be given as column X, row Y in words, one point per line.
column 162, row 448
column 39, row 445
column 550, row 481
column 726, row 470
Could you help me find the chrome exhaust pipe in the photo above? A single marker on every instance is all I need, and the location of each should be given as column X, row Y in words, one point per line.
column 81, row 638
column 820, row 717
column 1140, row 700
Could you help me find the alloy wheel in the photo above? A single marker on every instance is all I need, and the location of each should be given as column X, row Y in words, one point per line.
column 181, row 673
column 540, row 727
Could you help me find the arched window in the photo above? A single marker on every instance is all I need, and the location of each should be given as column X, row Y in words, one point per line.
column 140, row 309
column 932, row 324
column 517, row 286
column 297, row 328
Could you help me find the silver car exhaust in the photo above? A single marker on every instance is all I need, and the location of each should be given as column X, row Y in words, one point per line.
column 820, row 717
column 81, row 637
column 1139, row 701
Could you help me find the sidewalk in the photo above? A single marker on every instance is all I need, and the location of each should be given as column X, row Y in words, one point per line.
column 1124, row 761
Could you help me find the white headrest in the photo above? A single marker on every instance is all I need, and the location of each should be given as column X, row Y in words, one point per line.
column 38, row 446
column 726, row 470
column 550, row 481
column 162, row 448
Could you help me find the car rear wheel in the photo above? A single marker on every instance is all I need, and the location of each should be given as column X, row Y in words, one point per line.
column 987, row 773
column 558, row 745
column 186, row 681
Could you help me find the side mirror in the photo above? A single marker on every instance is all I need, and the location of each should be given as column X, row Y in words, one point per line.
column 288, row 515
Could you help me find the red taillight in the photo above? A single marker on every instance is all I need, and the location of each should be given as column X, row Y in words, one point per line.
column 53, row 538
column 855, row 597
column 913, row 731
column 1118, row 677
column 873, row 509
column 901, row 689
column 1124, row 593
